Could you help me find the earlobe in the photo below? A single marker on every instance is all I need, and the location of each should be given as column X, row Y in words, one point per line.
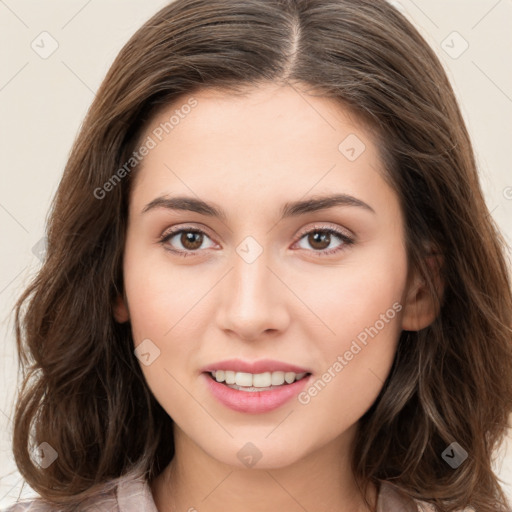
column 421, row 304
column 121, row 313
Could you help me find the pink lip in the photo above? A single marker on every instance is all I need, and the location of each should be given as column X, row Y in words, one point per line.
column 255, row 367
column 257, row 401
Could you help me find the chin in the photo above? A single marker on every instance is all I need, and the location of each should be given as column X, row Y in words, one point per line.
column 256, row 452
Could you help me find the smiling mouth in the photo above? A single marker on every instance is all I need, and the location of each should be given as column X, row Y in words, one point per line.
column 267, row 381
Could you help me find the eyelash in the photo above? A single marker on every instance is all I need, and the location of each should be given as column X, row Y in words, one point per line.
column 347, row 241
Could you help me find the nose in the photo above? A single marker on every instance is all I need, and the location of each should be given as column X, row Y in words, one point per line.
column 252, row 300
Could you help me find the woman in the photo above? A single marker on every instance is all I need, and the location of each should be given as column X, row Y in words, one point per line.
column 188, row 345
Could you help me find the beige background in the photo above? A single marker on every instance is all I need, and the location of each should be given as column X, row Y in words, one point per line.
column 43, row 101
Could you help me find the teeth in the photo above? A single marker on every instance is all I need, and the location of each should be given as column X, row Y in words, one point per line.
column 289, row 377
column 243, row 379
column 259, row 380
column 277, row 378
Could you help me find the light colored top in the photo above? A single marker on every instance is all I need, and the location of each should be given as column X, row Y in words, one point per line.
column 134, row 495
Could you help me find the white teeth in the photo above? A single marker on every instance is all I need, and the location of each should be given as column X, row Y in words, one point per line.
column 277, row 378
column 289, row 377
column 262, row 380
column 259, row 380
column 243, row 379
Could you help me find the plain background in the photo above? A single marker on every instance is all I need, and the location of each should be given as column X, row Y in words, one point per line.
column 43, row 99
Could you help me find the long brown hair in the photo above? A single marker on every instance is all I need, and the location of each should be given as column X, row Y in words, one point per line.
column 83, row 391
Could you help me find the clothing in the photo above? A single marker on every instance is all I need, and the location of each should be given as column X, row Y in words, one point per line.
column 134, row 495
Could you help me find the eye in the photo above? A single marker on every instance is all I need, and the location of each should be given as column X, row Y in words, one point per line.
column 190, row 239
column 320, row 238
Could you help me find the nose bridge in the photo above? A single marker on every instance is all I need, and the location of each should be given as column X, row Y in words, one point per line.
column 251, row 301
column 251, row 274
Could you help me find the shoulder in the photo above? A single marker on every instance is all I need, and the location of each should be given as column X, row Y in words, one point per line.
column 392, row 500
column 129, row 495
column 34, row 505
column 103, row 503
column 426, row 507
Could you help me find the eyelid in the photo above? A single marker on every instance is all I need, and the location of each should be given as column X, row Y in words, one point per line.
column 319, row 225
column 171, row 232
column 345, row 235
column 185, row 227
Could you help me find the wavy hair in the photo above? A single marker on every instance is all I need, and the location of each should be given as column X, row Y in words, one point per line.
column 82, row 388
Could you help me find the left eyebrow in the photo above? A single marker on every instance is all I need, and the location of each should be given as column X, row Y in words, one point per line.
column 322, row 203
column 290, row 209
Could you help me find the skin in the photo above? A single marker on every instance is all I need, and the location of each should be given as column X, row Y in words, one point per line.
column 250, row 155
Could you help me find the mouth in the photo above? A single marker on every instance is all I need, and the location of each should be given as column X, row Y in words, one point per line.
column 254, row 386
column 256, row 382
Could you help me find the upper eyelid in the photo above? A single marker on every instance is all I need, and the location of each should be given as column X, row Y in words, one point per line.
column 173, row 231
column 316, row 225
column 319, row 226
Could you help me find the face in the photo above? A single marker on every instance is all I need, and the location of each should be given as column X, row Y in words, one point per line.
column 267, row 281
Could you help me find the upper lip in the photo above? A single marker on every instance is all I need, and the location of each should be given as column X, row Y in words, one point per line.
column 254, row 367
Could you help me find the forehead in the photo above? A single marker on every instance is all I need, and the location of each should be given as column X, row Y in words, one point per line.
column 262, row 110
column 269, row 140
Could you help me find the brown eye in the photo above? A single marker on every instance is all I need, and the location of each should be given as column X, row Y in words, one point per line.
column 188, row 241
column 321, row 238
column 191, row 240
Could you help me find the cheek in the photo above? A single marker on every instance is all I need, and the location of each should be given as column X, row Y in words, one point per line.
column 160, row 314
column 160, row 293
column 354, row 368
column 165, row 307
column 362, row 308
column 362, row 293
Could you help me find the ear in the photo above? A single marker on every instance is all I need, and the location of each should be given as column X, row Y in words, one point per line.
column 421, row 304
column 121, row 313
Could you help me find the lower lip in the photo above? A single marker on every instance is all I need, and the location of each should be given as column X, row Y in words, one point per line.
column 254, row 401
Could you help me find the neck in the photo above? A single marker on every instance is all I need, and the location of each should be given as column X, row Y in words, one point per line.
column 321, row 481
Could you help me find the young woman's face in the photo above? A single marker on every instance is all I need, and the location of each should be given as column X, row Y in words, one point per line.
column 286, row 258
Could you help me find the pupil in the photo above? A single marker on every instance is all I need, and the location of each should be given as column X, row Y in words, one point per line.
column 188, row 240
column 320, row 237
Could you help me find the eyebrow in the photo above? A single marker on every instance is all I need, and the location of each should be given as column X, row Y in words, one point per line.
column 290, row 209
